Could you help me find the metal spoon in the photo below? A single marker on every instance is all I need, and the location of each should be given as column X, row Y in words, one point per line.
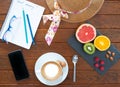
column 74, row 60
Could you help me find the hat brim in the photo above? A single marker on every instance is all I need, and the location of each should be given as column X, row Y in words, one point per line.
column 87, row 14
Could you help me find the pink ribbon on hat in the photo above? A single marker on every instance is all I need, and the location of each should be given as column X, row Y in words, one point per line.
column 56, row 19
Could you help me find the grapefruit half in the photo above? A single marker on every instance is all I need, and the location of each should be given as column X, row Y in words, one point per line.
column 85, row 33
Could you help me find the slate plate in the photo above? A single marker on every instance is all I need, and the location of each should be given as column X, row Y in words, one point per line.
column 90, row 58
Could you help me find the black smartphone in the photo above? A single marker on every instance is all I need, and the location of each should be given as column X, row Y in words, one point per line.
column 18, row 65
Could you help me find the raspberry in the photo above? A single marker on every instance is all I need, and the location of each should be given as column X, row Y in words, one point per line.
column 96, row 59
column 101, row 68
column 102, row 62
column 96, row 65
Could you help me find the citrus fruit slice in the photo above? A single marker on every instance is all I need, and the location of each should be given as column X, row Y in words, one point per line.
column 102, row 42
column 85, row 33
column 89, row 48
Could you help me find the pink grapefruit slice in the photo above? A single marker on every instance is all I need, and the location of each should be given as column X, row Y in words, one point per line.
column 85, row 33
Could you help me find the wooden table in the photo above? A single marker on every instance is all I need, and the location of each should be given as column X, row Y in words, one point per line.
column 107, row 21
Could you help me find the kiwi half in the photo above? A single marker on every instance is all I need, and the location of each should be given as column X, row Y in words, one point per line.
column 89, row 48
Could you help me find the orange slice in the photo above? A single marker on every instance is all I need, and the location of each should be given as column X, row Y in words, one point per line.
column 102, row 42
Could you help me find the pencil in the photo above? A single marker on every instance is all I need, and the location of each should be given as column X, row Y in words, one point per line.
column 33, row 41
column 25, row 28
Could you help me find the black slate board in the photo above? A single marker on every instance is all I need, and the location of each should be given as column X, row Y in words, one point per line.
column 90, row 58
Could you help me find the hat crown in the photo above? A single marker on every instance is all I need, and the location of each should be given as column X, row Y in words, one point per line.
column 73, row 5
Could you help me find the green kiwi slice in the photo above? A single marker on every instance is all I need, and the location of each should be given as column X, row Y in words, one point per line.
column 89, row 48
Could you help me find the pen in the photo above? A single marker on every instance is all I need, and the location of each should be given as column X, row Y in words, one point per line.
column 24, row 20
column 33, row 41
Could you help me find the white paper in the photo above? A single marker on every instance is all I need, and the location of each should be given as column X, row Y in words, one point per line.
column 13, row 29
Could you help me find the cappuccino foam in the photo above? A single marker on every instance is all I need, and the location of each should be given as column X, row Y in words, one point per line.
column 51, row 70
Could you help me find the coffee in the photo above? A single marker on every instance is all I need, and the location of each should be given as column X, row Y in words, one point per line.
column 51, row 70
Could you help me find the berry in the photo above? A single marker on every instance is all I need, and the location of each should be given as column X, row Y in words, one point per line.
column 102, row 62
column 96, row 59
column 96, row 65
column 101, row 68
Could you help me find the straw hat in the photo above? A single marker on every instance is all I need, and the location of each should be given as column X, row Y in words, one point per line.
column 90, row 7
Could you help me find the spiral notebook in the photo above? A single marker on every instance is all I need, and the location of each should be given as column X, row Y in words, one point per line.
column 21, row 23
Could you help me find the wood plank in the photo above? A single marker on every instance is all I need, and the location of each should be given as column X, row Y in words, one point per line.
column 110, row 7
column 104, row 10
column 83, row 77
column 80, row 85
column 106, row 85
column 83, row 65
column 41, row 85
column 42, row 48
column 99, row 21
column 62, row 35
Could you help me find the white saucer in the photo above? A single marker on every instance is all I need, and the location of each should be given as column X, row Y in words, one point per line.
column 51, row 56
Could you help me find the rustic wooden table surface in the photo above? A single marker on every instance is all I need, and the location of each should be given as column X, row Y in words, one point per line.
column 107, row 21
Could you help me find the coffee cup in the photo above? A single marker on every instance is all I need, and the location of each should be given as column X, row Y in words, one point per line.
column 51, row 70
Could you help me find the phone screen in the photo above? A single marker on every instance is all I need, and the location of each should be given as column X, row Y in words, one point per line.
column 18, row 65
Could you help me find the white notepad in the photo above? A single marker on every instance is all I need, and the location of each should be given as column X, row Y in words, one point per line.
column 16, row 27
